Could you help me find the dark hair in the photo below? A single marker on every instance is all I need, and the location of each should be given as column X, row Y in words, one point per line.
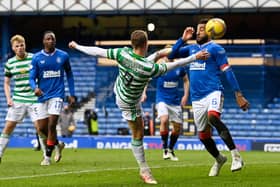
column 48, row 32
column 138, row 38
column 203, row 21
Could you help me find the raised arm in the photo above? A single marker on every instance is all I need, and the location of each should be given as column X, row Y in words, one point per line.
column 201, row 55
column 90, row 50
column 178, row 51
column 159, row 54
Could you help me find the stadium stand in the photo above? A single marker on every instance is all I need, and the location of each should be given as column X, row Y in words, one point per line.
column 258, row 83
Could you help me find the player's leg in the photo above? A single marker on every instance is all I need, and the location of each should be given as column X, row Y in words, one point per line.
column 138, row 150
column 173, row 139
column 162, row 114
column 214, row 120
column 176, row 118
column 204, row 132
column 55, row 106
column 135, row 122
column 42, row 130
column 15, row 114
column 5, row 136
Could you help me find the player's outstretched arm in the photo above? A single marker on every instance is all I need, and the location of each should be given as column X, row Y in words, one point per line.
column 90, row 50
column 159, row 54
column 201, row 55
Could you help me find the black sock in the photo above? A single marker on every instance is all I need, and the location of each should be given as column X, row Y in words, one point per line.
column 49, row 150
column 222, row 131
column 173, row 140
column 210, row 146
column 164, row 139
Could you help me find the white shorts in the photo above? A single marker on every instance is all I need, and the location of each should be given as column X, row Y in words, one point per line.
column 52, row 106
column 129, row 112
column 19, row 111
column 174, row 112
column 212, row 102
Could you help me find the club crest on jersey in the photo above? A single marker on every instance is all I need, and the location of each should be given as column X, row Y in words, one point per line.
column 42, row 62
column 58, row 60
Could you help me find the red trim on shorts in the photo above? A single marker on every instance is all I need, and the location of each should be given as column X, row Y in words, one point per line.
column 162, row 133
column 204, row 135
column 214, row 113
column 50, row 143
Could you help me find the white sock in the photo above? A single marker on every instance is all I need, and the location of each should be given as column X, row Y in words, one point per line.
column 235, row 153
column 139, row 154
column 4, row 140
column 43, row 143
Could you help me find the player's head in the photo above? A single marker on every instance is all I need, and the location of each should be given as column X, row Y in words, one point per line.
column 49, row 40
column 18, row 45
column 201, row 36
column 139, row 39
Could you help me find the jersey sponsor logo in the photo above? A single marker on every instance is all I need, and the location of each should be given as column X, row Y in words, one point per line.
column 197, row 66
column 20, row 76
column 51, row 74
column 169, row 84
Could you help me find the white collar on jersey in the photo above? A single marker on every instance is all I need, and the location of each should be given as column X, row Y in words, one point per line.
column 48, row 54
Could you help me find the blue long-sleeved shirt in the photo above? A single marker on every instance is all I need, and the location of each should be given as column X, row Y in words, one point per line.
column 47, row 73
column 205, row 75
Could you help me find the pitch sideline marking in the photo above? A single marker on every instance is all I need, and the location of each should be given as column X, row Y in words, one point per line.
column 108, row 169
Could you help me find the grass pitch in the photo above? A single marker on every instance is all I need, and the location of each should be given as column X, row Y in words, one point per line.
column 92, row 167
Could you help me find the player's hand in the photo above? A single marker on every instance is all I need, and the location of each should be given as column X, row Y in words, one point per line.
column 38, row 92
column 10, row 102
column 241, row 101
column 202, row 55
column 143, row 98
column 184, row 101
column 72, row 45
column 71, row 100
column 188, row 33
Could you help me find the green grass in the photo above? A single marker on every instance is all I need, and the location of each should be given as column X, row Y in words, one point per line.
column 91, row 167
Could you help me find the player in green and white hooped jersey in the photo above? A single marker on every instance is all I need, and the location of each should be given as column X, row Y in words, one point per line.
column 23, row 100
column 134, row 73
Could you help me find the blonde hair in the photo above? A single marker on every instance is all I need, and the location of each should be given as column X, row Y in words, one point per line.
column 18, row 38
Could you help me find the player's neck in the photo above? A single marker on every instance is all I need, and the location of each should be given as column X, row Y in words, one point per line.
column 20, row 57
column 49, row 50
column 139, row 52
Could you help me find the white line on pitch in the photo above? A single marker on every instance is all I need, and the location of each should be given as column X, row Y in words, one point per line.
column 108, row 169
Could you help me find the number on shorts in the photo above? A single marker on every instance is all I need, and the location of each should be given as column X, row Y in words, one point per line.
column 58, row 105
column 214, row 101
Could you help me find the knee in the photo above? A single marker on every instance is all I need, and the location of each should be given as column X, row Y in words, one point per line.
column 213, row 117
column 176, row 129
column 204, row 135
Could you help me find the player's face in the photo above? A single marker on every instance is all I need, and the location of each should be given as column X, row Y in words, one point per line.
column 201, row 36
column 49, row 41
column 19, row 48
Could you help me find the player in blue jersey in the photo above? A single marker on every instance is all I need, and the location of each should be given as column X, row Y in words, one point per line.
column 206, row 93
column 47, row 81
column 169, row 103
